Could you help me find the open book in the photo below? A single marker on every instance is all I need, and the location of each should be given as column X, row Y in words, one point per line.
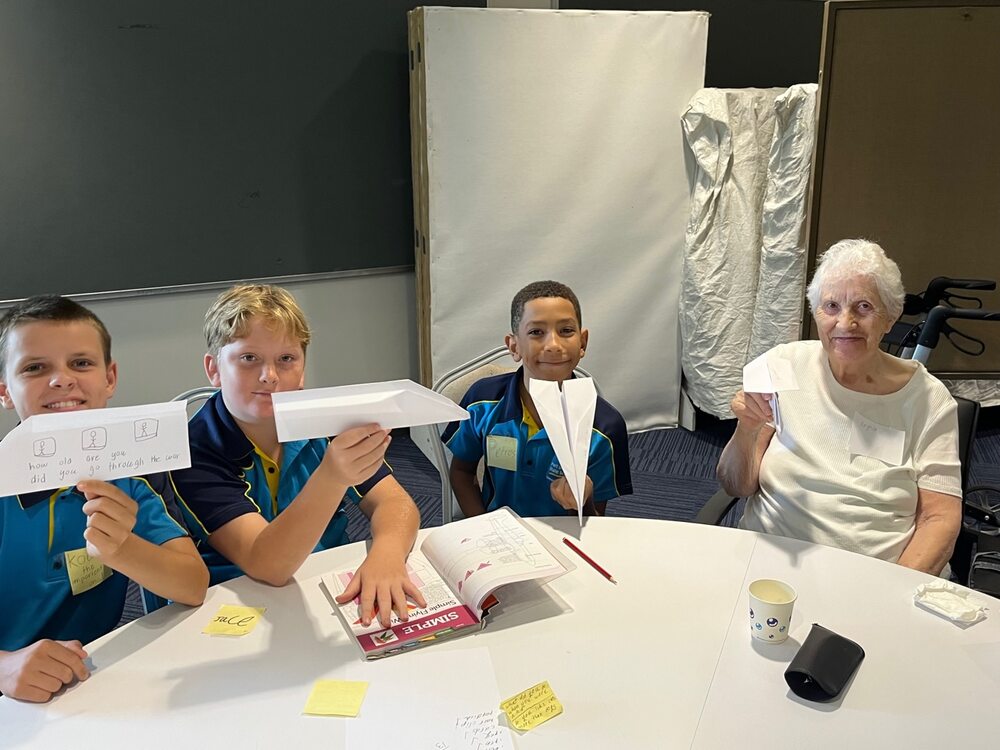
column 457, row 568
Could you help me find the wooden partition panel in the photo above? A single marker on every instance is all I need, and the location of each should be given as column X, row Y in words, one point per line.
column 907, row 148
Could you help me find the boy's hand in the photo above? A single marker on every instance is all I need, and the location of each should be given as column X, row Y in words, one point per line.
column 36, row 672
column 384, row 587
column 355, row 455
column 110, row 519
column 563, row 495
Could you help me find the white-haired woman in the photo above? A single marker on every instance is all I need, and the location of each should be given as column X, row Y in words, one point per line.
column 867, row 454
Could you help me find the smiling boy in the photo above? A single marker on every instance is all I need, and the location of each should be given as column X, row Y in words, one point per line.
column 260, row 507
column 55, row 356
column 521, row 471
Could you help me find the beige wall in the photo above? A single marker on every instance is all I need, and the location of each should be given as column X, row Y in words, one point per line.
column 364, row 330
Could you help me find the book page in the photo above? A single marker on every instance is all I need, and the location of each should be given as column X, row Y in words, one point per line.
column 443, row 613
column 476, row 555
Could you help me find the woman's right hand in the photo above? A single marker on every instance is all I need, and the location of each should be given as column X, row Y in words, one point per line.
column 752, row 410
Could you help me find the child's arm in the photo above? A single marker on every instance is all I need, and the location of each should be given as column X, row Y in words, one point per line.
column 34, row 673
column 272, row 552
column 382, row 578
column 465, row 484
column 173, row 570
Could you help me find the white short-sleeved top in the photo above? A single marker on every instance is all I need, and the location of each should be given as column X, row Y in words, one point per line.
column 813, row 488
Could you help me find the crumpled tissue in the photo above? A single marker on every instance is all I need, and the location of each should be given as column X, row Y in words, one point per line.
column 950, row 601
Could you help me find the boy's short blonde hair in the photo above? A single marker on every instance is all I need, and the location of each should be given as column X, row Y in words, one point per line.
column 229, row 316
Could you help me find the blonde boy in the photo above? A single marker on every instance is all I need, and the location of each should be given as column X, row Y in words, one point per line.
column 55, row 356
column 260, row 507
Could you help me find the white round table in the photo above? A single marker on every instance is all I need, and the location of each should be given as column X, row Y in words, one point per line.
column 663, row 659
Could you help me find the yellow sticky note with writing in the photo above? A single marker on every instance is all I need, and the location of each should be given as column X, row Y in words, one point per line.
column 84, row 571
column 232, row 619
column 534, row 706
column 336, row 698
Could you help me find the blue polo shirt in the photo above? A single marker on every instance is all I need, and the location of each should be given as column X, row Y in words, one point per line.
column 520, row 469
column 229, row 477
column 37, row 529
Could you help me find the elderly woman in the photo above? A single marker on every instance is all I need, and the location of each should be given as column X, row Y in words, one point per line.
column 867, row 454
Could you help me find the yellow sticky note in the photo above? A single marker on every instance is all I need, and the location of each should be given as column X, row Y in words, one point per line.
column 534, row 706
column 84, row 571
column 336, row 698
column 234, row 620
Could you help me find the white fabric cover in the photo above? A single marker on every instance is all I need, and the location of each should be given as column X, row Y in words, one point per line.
column 744, row 262
column 555, row 151
column 986, row 392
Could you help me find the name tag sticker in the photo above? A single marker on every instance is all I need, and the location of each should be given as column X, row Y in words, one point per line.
column 877, row 441
column 501, row 452
column 84, row 571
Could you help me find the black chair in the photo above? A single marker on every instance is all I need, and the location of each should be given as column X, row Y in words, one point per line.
column 715, row 510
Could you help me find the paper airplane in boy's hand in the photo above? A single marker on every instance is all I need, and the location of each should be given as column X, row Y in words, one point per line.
column 322, row 412
column 771, row 376
column 48, row 451
column 568, row 418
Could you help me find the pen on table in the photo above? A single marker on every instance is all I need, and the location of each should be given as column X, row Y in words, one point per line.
column 590, row 562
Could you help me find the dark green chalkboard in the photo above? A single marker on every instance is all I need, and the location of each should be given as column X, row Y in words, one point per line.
column 149, row 143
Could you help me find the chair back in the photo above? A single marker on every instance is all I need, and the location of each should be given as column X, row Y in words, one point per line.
column 195, row 397
column 968, row 419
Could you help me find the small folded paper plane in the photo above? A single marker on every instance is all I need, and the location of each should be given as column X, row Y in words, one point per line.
column 568, row 418
column 322, row 412
column 47, row 451
column 763, row 375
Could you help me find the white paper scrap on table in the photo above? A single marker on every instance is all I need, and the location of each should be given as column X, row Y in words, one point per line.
column 424, row 700
column 322, row 412
column 48, row 451
column 568, row 418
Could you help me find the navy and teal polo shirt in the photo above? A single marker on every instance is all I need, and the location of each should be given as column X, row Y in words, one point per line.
column 230, row 476
column 37, row 529
column 520, row 469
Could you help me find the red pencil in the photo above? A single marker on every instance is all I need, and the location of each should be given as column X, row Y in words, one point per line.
column 592, row 564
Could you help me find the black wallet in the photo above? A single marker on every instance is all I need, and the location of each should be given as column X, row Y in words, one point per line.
column 823, row 665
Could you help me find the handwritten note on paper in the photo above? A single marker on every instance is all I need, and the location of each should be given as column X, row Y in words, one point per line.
column 47, row 451
column 869, row 438
column 84, row 571
column 336, row 698
column 534, row 706
column 232, row 619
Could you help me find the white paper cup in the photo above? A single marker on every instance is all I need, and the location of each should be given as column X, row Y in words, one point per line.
column 771, row 605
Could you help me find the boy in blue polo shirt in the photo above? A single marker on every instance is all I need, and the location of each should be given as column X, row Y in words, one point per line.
column 521, row 467
column 66, row 554
column 260, row 507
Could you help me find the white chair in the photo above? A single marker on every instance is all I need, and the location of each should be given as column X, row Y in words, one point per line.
column 454, row 385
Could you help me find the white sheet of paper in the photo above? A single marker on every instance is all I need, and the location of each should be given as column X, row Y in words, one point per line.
column 568, row 418
column 877, row 441
column 48, row 451
column 764, row 375
column 398, row 714
column 322, row 412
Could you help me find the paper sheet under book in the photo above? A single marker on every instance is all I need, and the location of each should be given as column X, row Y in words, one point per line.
column 48, row 451
column 770, row 375
column 568, row 417
column 322, row 412
column 429, row 700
